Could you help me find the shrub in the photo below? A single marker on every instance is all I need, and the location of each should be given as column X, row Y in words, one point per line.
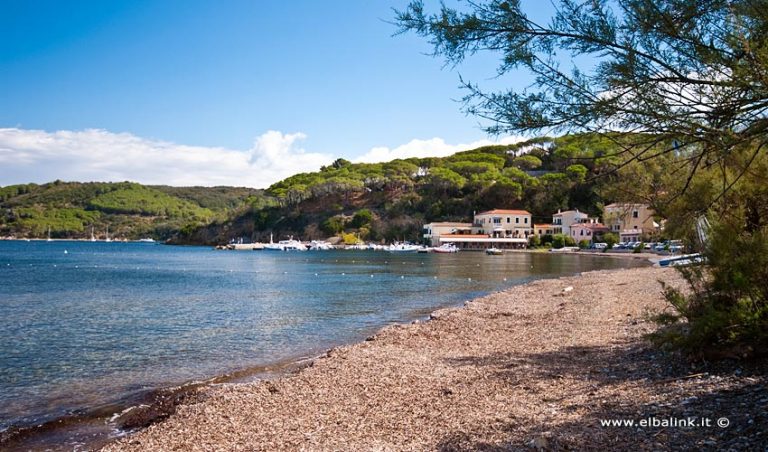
column 583, row 244
column 727, row 308
column 558, row 241
column 534, row 241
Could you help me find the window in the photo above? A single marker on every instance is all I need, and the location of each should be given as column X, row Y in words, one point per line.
column 526, row 220
column 517, row 219
column 635, row 214
column 507, row 219
column 497, row 220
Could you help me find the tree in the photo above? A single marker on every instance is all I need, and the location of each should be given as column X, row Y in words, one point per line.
column 662, row 76
column 527, row 162
column 683, row 80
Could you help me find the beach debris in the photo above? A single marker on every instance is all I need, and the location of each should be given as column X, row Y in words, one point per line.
column 541, row 442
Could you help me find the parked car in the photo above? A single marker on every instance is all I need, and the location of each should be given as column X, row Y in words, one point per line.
column 599, row 246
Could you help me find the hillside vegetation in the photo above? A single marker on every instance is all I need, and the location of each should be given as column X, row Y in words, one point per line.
column 355, row 201
column 128, row 210
column 392, row 200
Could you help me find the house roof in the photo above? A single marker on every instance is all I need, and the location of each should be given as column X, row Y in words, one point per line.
column 624, row 205
column 568, row 211
column 466, row 236
column 504, row 212
column 450, row 224
column 547, row 225
column 593, row 226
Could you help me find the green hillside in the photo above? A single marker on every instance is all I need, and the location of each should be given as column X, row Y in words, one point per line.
column 372, row 201
column 129, row 210
column 392, row 200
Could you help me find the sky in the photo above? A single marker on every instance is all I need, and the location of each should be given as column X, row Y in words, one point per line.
column 236, row 92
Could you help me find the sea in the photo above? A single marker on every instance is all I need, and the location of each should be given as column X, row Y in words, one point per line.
column 89, row 328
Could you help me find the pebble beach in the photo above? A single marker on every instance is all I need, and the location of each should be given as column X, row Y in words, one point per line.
column 540, row 366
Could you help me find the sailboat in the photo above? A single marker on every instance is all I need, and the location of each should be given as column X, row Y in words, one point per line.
column 49, row 239
column 93, row 238
column 107, row 239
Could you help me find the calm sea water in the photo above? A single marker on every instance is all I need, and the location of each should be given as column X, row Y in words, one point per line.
column 85, row 324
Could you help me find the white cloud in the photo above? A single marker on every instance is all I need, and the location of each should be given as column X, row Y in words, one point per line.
column 435, row 147
column 99, row 155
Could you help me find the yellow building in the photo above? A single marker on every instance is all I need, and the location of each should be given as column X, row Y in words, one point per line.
column 630, row 221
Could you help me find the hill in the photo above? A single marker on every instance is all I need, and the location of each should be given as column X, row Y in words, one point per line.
column 129, row 210
column 368, row 201
column 392, row 200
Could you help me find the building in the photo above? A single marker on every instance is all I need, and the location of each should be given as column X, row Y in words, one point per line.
column 543, row 229
column 492, row 229
column 500, row 223
column 433, row 231
column 630, row 221
column 562, row 221
column 592, row 232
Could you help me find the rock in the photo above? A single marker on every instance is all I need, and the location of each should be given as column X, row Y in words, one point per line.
column 541, row 442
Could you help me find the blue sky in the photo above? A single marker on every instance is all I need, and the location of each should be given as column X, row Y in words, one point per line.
column 277, row 87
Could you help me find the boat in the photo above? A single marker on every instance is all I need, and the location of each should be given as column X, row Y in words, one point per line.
column 146, row 240
column 285, row 245
column 494, row 251
column 685, row 259
column 319, row 245
column 446, row 248
column 49, row 239
column 93, row 237
column 403, row 248
column 106, row 235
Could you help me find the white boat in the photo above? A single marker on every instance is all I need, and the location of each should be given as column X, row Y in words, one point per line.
column 403, row 248
column 93, row 237
column 446, row 248
column 319, row 245
column 147, row 240
column 106, row 235
column 685, row 259
column 49, row 239
column 494, row 251
column 285, row 245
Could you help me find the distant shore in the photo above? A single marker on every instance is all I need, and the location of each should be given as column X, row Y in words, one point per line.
column 535, row 366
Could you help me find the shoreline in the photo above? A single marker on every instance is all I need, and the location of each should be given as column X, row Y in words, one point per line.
column 100, row 425
column 398, row 389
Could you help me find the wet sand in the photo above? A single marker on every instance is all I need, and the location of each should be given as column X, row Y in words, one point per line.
column 536, row 366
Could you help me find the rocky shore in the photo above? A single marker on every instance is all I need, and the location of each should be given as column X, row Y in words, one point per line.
column 541, row 366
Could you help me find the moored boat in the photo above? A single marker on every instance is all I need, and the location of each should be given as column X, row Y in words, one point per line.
column 403, row 248
column 494, row 251
column 446, row 248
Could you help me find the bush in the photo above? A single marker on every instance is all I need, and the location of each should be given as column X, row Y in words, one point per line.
column 583, row 244
column 611, row 239
column 558, row 241
column 333, row 225
column 570, row 241
column 726, row 312
column 534, row 241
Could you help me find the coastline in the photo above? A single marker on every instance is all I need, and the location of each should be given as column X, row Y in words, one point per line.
column 536, row 364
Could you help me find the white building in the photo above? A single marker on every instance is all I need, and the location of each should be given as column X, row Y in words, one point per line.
column 496, row 228
column 433, row 231
column 501, row 223
column 563, row 221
